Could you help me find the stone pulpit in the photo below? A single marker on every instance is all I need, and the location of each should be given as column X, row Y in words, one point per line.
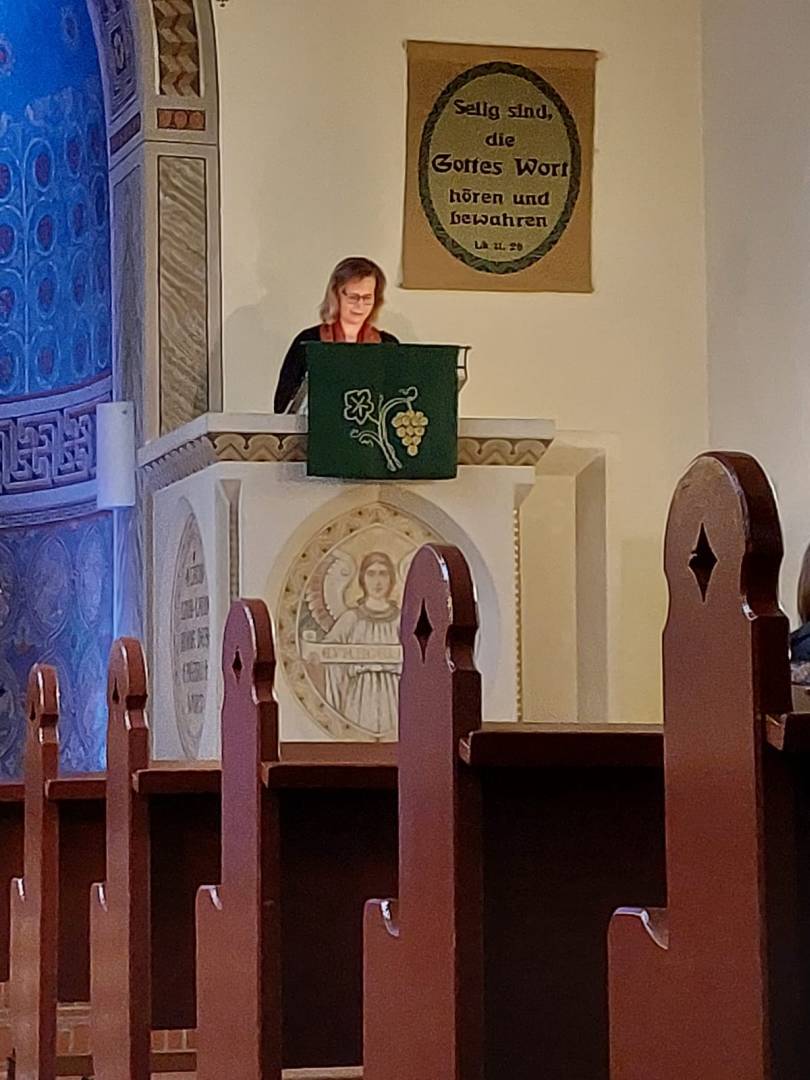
column 231, row 512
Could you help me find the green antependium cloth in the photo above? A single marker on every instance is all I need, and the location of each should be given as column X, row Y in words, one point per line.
column 382, row 412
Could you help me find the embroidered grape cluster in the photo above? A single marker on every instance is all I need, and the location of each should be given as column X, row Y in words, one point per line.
column 410, row 428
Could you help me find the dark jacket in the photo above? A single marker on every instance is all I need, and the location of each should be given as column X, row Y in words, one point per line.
column 294, row 368
column 800, row 644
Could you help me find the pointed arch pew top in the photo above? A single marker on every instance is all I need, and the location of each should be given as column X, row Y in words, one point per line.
column 513, row 841
column 712, row 985
column 304, row 828
column 34, row 903
column 63, row 851
column 120, row 905
column 162, row 840
column 240, row 917
column 424, row 952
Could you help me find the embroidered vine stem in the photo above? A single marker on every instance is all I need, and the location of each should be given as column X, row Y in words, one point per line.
column 379, row 435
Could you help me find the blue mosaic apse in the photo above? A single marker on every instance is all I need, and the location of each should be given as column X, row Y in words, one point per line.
column 56, row 588
column 55, row 303
column 55, row 607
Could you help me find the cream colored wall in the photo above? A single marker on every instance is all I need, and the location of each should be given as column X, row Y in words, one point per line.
column 313, row 115
column 757, row 85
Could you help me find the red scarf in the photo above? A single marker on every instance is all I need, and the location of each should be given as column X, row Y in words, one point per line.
column 369, row 335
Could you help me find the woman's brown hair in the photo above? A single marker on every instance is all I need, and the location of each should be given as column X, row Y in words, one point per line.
column 349, row 270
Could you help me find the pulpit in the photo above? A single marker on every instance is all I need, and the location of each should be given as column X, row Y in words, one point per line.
column 231, row 511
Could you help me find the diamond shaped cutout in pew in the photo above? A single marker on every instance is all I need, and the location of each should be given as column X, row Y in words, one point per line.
column 423, row 630
column 236, row 666
column 703, row 562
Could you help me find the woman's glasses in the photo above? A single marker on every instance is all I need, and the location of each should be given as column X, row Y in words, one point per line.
column 365, row 299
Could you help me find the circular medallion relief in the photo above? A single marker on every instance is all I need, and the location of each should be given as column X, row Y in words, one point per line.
column 338, row 624
column 9, row 589
column 91, row 708
column 49, row 584
column 92, row 569
column 190, row 637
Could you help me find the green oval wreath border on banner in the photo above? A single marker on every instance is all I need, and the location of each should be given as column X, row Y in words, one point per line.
column 476, row 262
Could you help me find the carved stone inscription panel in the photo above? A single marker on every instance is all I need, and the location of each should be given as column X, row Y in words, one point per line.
column 190, row 637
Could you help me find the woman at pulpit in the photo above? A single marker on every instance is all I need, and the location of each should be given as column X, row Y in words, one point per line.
column 354, row 296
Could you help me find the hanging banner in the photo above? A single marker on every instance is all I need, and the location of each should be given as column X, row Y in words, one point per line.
column 499, row 161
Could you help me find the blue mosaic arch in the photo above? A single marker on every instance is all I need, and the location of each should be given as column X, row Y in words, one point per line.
column 92, row 92
column 56, row 552
column 54, row 208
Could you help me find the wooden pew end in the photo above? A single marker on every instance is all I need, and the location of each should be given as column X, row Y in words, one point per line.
column 628, row 923
column 382, row 914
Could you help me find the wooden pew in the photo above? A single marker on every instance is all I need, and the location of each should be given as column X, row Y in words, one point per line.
column 162, row 834
column 308, row 833
column 63, row 854
column 162, row 841
column 516, row 842
column 716, row 984
column 424, row 968
column 12, row 811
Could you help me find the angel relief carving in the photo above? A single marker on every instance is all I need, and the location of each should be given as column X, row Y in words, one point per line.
column 339, row 629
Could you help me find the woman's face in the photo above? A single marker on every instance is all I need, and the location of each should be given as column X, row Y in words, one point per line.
column 356, row 299
column 377, row 582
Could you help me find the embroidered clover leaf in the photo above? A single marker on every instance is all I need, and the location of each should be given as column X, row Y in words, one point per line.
column 357, row 406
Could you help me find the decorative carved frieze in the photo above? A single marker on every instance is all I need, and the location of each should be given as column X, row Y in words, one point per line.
column 50, row 449
column 233, row 446
column 186, row 460
column 286, row 447
column 483, row 451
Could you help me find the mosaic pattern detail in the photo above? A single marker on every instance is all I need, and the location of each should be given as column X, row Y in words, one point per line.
column 6, row 56
column 56, row 606
column 119, row 54
column 129, row 578
column 54, row 246
column 125, row 134
column 181, row 119
column 178, row 48
column 48, row 449
column 46, row 515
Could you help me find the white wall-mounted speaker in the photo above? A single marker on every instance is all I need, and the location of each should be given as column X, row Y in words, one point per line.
column 115, row 454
